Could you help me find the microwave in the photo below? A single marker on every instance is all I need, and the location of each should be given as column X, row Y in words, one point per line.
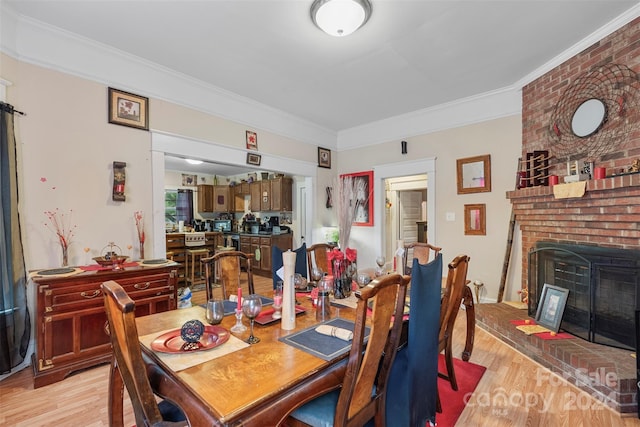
column 223, row 225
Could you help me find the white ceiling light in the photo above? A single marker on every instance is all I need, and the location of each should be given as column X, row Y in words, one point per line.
column 193, row 162
column 340, row 17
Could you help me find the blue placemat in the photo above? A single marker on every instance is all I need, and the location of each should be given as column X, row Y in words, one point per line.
column 322, row 346
column 230, row 306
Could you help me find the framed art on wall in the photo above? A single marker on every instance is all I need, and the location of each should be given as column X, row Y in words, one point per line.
column 127, row 109
column 252, row 140
column 324, row 157
column 475, row 220
column 363, row 181
column 474, row 174
column 253, row 159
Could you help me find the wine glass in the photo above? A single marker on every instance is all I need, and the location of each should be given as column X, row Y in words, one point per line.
column 381, row 261
column 316, row 274
column 251, row 307
column 363, row 280
column 215, row 311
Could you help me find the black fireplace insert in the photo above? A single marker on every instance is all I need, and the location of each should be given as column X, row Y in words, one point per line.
column 603, row 289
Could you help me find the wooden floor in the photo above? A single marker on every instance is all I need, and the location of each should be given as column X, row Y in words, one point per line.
column 514, row 391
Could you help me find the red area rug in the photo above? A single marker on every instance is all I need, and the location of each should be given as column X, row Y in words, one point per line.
column 453, row 402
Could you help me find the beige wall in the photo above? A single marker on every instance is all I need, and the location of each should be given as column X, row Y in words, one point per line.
column 66, row 140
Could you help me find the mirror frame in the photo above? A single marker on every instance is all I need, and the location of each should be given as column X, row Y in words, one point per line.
column 460, row 163
column 479, row 229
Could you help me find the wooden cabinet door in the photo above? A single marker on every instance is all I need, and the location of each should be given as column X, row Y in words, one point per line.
column 255, row 189
column 265, row 253
column 282, row 194
column 221, row 198
column 205, row 198
column 265, row 195
column 255, row 249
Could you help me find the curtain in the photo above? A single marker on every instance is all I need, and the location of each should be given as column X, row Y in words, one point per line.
column 15, row 325
column 184, row 206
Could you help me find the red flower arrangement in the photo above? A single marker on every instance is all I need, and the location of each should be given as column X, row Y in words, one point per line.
column 343, row 267
column 140, row 227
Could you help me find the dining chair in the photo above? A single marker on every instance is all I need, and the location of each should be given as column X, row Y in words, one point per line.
column 450, row 304
column 363, row 392
column 413, row 383
column 317, row 255
column 228, row 266
column 277, row 262
column 419, row 250
column 127, row 366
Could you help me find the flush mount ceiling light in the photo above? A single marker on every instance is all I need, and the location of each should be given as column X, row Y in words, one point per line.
column 340, row 17
column 193, row 162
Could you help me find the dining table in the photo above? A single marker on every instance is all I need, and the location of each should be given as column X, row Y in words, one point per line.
column 248, row 385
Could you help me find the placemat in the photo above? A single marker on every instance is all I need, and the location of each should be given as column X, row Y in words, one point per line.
column 55, row 272
column 230, row 306
column 351, row 301
column 181, row 361
column 322, row 346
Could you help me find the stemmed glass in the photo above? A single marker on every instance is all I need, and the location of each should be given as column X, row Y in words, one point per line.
column 316, row 275
column 251, row 307
column 381, row 262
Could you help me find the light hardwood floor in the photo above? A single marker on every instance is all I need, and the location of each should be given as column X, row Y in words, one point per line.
column 515, row 391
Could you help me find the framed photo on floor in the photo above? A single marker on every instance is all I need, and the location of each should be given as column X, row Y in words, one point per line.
column 551, row 307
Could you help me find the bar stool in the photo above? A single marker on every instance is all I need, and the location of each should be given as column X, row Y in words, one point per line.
column 193, row 264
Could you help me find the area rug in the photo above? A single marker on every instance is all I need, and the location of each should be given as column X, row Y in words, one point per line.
column 453, row 402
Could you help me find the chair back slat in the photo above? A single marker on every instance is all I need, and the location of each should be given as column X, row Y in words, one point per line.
column 127, row 355
column 229, row 266
column 357, row 403
column 317, row 256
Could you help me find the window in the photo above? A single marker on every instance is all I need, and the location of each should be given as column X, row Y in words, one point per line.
column 178, row 206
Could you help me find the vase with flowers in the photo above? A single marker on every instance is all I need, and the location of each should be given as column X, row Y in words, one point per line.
column 140, row 228
column 344, row 269
column 61, row 226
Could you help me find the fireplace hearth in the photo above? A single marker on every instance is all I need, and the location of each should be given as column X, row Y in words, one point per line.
column 603, row 286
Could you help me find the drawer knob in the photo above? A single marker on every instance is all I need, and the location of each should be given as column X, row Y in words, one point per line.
column 142, row 286
column 91, row 295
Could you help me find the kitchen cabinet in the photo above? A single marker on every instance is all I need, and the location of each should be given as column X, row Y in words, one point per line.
column 71, row 322
column 205, row 198
column 240, row 191
column 282, row 194
column 265, row 195
column 255, row 189
column 221, row 201
column 250, row 242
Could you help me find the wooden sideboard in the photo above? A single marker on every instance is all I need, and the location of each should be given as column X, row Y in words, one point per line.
column 70, row 317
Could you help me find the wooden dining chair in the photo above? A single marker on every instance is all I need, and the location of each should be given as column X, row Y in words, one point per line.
column 363, row 392
column 450, row 304
column 127, row 366
column 228, row 266
column 422, row 251
column 317, row 255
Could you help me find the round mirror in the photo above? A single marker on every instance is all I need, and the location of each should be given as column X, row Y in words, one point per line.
column 588, row 117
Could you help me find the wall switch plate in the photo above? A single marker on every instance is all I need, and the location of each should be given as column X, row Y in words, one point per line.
column 450, row 216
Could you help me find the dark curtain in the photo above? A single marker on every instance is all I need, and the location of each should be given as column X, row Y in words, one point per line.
column 184, row 206
column 15, row 325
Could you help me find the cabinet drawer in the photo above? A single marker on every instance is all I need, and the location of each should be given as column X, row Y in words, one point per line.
column 175, row 241
column 69, row 298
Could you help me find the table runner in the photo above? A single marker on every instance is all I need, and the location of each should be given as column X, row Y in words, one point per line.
column 180, row 361
column 322, row 346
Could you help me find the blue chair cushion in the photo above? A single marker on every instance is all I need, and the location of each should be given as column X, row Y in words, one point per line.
column 320, row 412
column 276, row 262
column 171, row 412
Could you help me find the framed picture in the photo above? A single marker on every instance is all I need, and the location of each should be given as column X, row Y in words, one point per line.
column 253, row 159
column 364, row 200
column 189, row 180
column 252, row 140
column 127, row 109
column 324, row 158
column 551, row 306
column 475, row 220
column 474, row 174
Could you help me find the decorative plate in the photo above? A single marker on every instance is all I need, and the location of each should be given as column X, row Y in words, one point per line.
column 155, row 261
column 266, row 316
column 172, row 342
column 54, row 271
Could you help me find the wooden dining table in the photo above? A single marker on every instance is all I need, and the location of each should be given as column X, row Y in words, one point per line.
column 258, row 385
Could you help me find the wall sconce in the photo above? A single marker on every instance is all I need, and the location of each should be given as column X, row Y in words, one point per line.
column 403, row 145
